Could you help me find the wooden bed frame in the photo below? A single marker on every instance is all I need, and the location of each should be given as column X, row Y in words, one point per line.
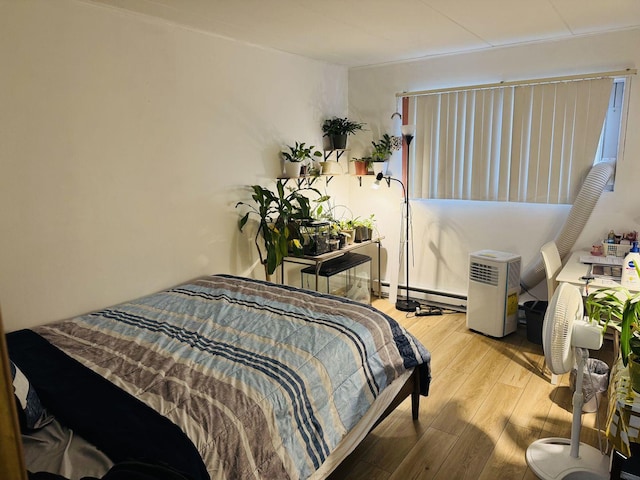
column 410, row 388
column 11, row 454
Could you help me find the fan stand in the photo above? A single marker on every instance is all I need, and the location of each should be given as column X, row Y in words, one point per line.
column 561, row 458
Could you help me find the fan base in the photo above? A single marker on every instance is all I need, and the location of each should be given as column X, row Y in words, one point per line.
column 550, row 459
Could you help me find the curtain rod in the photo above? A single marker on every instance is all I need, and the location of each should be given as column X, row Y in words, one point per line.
column 569, row 78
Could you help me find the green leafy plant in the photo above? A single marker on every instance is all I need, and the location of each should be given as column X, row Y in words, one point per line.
column 619, row 308
column 300, row 152
column 341, row 126
column 279, row 216
column 368, row 222
column 346, row 224
column 363, row 227
column 382, row 149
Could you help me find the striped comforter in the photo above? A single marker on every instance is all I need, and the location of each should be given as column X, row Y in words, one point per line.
column 264, row 379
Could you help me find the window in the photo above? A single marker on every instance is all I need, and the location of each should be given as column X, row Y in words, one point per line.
column 610, row 138
column 521, row 143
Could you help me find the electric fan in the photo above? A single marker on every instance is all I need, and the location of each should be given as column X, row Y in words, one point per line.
column 566, row 338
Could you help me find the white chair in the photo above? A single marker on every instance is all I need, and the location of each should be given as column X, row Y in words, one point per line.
column 552, row 265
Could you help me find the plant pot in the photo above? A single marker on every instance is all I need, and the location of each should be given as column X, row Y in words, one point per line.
column 361, row 167
column 634, row 371
column 379, row 167
column 338, row 142
column 331, row 167
column 362, row 234
column 292, row 169
column 349, row 236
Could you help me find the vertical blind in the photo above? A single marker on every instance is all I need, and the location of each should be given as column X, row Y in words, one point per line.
column 524, row 143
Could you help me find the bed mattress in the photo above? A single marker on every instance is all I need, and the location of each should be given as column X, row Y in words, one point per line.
column 229, row 377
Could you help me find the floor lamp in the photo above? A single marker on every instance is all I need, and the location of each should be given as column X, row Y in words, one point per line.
column 406, row 305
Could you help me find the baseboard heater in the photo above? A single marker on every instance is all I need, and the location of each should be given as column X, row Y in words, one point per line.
column 450, row 301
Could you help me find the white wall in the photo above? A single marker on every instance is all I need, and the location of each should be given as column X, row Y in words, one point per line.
column 125, row 143
column 445, row 232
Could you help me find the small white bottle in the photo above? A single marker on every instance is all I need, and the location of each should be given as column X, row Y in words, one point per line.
column 630, row 277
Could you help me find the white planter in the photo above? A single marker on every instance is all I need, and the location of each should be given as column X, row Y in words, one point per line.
column 292, row 169
column 331, row 167
column 379, row 167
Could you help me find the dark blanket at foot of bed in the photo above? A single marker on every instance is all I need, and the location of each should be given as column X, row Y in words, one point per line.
column 114, row 421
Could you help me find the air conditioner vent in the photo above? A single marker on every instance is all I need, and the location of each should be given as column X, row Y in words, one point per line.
column 514, row 276
column 483, row 273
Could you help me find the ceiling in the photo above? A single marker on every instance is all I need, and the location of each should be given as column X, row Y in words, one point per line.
column 368, row 32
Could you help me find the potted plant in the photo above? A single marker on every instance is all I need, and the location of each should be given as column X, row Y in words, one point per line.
column 620, row 308
column 279, row 216
column 347, row 230
column 382, row 150
column 337, row 129
column 361, row 165
column 363, row 229
column 297, row 156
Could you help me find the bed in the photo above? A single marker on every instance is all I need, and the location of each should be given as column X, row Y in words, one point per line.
column 225, row 377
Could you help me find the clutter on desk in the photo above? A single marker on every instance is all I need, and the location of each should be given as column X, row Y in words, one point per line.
column 615, row 244
column 602, row 260
column 613, row 272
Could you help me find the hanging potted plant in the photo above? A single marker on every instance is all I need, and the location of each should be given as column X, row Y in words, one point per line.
column 337, row 129
column 297, row 157
column 280, row 215
column 620, row 308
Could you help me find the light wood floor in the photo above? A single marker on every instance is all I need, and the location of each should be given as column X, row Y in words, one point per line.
column 489, row 399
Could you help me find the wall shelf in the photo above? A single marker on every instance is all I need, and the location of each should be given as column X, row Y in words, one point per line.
column 338, row 154
column 360, row 177
column 308, row 179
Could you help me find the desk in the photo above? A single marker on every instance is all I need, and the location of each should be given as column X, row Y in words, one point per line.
column 573, row 271
column 317, row 260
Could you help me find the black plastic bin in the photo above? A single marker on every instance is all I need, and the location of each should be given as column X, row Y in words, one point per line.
column 534, row 314
column 623, row 468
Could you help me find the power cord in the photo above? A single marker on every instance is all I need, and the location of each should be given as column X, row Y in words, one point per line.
column 429, row 311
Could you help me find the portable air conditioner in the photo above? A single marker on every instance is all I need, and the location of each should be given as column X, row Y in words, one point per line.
column 492, row 299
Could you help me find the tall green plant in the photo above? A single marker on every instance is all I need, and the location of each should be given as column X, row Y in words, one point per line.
column 619, row 308
column 382, row 149
column 279, row 217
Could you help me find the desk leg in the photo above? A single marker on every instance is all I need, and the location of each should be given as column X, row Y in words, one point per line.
column 318, row 266
column 379, row 273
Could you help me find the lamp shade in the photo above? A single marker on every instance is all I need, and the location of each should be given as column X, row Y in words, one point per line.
column 409, row 130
